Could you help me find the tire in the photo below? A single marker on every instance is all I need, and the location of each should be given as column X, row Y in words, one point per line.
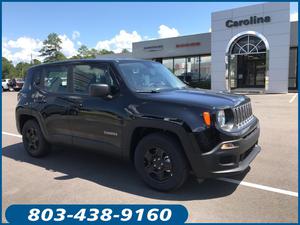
column 33, row 139
column 160, row 161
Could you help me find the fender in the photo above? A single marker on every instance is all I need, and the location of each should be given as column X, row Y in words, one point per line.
column 21, row 111
column 183, row 132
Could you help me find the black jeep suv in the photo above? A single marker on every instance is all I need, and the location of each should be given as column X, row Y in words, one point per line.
column 138, row 110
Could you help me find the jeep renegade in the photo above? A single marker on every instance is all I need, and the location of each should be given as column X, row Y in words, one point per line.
column 140, row 111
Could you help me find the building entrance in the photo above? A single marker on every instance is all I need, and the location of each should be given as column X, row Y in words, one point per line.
column 251, row 71
column 247, row 59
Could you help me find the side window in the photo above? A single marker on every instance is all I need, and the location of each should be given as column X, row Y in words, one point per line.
column 27, row 80
column 86, row 74
column 55, row 79
column 37, row 76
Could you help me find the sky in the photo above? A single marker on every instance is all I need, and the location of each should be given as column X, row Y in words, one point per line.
column 112, row 26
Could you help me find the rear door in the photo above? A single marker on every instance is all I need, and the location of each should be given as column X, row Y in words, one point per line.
column 52, row 102
column 98, row 121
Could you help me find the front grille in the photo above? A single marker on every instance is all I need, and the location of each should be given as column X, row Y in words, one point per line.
column 242, row 114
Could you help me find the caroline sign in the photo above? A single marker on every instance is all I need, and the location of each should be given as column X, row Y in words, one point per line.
column 252, row 20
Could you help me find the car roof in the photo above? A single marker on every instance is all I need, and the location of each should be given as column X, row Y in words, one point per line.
column 109, row 60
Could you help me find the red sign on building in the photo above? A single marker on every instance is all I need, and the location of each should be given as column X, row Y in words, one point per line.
column 192, row 44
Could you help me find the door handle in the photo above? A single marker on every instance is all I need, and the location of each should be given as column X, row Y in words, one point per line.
column 75, row 108
column 40, row 100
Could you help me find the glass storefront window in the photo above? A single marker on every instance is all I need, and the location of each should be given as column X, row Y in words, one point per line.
column 205, row 72
column 192, row 69
column 293, row 68
column 180, row 67
column 168, row 63
column 233, row 71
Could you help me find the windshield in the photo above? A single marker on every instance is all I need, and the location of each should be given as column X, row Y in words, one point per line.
column 149, row 77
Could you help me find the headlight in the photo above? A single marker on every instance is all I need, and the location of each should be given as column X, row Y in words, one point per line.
column 225, row 120
column 221, row 118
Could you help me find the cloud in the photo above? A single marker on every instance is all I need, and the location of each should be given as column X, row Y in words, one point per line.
column 124, row 39
column 166, row 32
column 25, row 48
column 67, row 46
column 294, row 16
column 209, row 30
column 75, row 35
column 21, row 49
column 121, row 41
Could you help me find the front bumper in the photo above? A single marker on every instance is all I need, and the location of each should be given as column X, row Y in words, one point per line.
column 220, row 163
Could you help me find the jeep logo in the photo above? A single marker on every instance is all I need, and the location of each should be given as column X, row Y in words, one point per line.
column 250, row 21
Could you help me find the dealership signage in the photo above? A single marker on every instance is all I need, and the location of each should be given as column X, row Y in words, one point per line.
column 252, row 20
column 153, row 48
column 192, row 44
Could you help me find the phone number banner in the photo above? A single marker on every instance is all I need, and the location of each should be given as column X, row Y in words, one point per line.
column 96, row 214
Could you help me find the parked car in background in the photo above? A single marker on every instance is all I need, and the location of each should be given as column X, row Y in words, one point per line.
column 15, row 84
column 5, row 85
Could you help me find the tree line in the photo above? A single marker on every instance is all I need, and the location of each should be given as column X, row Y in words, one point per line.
column 51, row 52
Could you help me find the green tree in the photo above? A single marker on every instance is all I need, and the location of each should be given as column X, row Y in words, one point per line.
column 83, row 52
column 8, row 69
column 36, row 62
column 125, row 50
column 51, row 49
column 21, row 69
column 93, row 53
column 75, row 57
column 104, row 52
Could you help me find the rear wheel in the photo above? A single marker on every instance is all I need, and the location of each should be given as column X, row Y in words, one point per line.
column 33, row 139
column 160, row 161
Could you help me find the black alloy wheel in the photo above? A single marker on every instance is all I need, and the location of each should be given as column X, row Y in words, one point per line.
column 160, row 161
column 158, row 164
column 33, row 139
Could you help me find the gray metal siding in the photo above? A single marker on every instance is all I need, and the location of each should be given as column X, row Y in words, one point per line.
column 167, row 47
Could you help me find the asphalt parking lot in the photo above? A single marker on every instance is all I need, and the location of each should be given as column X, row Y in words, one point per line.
column 80, row 177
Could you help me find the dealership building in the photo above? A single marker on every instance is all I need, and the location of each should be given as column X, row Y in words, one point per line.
column 252, row 48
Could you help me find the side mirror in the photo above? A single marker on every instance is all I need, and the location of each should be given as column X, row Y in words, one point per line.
column 99, row 90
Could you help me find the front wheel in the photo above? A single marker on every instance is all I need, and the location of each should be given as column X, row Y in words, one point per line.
column 33, row 139
column 160, row 161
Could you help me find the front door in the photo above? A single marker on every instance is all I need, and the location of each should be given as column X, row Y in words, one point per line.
column 97, row 122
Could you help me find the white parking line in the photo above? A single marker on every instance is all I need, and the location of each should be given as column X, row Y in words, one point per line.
column 10, row 134
column 293, row 98
column 244, row 183
column 258, row 186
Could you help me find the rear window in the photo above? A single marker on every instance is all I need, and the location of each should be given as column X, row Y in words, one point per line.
column 55, row 79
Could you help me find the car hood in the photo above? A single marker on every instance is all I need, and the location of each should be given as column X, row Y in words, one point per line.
column 198, row 97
